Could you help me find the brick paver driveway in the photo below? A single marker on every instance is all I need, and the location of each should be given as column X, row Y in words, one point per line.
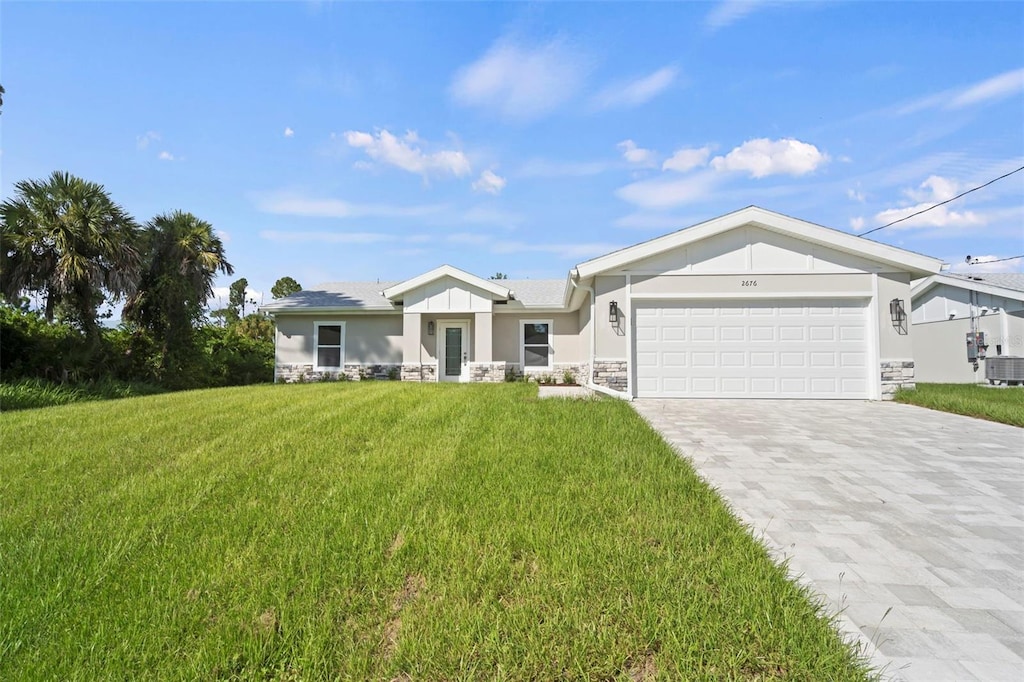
column 909, row 521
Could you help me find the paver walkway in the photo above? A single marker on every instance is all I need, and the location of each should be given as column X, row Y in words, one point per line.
column 908, row 521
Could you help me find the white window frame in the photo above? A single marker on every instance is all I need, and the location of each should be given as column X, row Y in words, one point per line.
column 522, row 346
column 316, row 344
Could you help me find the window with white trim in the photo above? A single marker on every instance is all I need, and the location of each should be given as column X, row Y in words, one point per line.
column 328, row 345
column 535, row 350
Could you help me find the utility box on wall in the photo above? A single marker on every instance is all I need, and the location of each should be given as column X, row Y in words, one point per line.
column 976, row 346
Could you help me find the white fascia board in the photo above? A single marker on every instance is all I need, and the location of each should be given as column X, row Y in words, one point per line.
column 531, row 309
column 926, row 284
column 446, row 271
column 841, row 241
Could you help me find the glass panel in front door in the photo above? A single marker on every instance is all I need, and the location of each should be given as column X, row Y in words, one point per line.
column 453, row 351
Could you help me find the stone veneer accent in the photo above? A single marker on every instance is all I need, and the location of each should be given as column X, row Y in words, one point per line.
column 291, row 373
column 488, row 372
column 896, row 374
column 419, row 372
column 611, row 374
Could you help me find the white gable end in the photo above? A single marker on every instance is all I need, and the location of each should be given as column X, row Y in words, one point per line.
column 751, row 249
column 447, row 295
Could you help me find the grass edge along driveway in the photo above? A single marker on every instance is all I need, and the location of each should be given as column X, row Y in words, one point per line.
column 996, row 404
column 380, row 531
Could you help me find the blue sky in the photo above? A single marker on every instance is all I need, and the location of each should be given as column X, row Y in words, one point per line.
column 331, row 141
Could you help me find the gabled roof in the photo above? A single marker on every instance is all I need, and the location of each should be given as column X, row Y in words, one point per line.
column 539, row 293
column 339, row 296
column 490, row 286
column 1005, row 284
column 915, row 263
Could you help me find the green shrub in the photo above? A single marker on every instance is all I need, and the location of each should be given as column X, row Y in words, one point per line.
column 32, row 393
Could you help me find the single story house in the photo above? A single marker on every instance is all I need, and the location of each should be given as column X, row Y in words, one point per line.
column 944, row 308
column 753, row 304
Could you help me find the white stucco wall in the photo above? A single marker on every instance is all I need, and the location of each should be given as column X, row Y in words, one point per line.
column 943, row 300
column 940, row 348
column 567, row 345
column 369, row 339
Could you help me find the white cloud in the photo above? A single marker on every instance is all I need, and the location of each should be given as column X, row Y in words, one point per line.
column 762, row 157
column 728, row 12
column 638, row 156
column 933, row 190
column 403, row 153
column 166, row 156
column 224, row 236
column 635, row 92
column 660, row 193
column 221, row 296
column 297, row 205
column 143, row 141
column 489, row 182
column 288, row 132
column 521, row 82
column 983, row 265
column 323, row 237
column 854, row 194
column 997, row 87
column 857, row 224
column 687, row 159
column 990, row 89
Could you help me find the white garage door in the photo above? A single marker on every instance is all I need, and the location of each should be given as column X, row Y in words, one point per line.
column 746, row 349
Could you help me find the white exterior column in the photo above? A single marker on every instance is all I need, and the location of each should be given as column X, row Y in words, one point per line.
column 482, row 333
column 411, row 342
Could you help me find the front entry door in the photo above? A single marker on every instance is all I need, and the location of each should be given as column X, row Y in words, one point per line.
column 453, row 351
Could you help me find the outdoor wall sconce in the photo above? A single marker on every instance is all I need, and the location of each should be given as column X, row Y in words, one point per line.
column 430, row 328
column 898, row 315
column 613, row 312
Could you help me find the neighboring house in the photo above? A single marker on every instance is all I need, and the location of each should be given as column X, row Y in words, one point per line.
column 942, row 311
column 751, row 304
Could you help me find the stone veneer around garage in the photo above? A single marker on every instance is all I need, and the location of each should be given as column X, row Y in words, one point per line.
column 611, row 374
column 896, row 374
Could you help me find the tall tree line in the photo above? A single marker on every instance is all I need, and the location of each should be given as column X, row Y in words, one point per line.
column 64, row 241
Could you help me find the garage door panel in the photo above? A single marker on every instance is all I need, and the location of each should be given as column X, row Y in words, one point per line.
column 702, row 333
column 727, row 334
column 822, row 333
column 799, row 349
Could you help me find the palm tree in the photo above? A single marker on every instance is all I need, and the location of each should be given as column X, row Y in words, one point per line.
column 66, row 237
column 182, row 257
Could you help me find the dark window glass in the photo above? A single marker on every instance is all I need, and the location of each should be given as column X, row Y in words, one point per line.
column 330, row 335
column 535, row 334
column 536, row 356
column 328, row 357
column 453, row 352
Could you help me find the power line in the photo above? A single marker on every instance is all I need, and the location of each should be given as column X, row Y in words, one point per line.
column 941, row 203
column 975, row 261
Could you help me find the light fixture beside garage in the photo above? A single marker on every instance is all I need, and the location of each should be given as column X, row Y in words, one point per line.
column 430, row 328
column 898, row 315
column 613, row 312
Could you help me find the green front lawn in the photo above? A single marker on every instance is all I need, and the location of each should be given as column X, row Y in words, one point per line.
column 997, row 404
column 380, row 531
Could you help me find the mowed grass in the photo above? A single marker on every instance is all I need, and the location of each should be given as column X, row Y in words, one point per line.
column 380, row 531
column 1005, row 405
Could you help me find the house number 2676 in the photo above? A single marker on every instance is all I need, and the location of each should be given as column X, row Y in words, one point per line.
column 749, row 283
